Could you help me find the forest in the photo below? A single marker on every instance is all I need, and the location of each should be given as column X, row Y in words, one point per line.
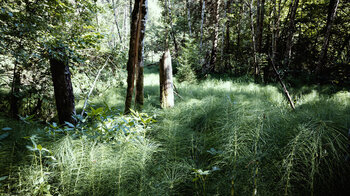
column 174, row 97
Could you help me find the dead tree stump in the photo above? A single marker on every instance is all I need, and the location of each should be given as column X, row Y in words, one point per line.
column 166, row 81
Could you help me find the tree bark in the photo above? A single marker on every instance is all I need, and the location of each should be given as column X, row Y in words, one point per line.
column 139, row 95
column 133, row 54
column 332, row 11
column 213, row 56
column 202, row 24
column 286, row 93
column 189, row 17
column 116, row 22
column 226, row 45
column 166, row 81
column 260, row 25
column 172, row 31
column 255, row 59
column 291, row 29
column 63, row 89
column 15, row 90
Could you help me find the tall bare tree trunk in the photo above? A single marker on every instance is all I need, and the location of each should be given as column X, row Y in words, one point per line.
column 202, row 24
column 125, row 31
column 291, row 29
column 226, row 45
column 332, row 12
column 139, row 95
column 63, row 88
column 116, row 22
column 189, row 16
column 239, row 26
column 172, row 31
column 213, row 57
column 166, row 81
column 255, row 60
column 15, row 90
column 133, row 53
column 260, row 25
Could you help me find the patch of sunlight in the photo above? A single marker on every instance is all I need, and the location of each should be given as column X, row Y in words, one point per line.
column 151, row 79
column 308, row 98
column 342, row 97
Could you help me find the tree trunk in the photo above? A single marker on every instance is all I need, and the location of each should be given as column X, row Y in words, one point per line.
column 139, row 97
column 260, row 25
column 166, row 81
column 226, row 45
column 116, row 22
column 63, row 89
column 332, row 11
column 172, row 32
column 189, row 16
column 291, row 29
column 213, row 56
column 202, row 24
column 133, row 54
column 15, row 90
column 275, row 34
column 255, row 60
column 286, row 93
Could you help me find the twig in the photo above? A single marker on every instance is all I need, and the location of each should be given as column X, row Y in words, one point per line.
column 177, row 92
column 93, row 86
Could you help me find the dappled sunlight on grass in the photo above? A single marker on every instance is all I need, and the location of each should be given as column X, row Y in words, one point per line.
column 222, row 134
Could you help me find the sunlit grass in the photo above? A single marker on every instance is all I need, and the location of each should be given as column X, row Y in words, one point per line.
column 242, row 137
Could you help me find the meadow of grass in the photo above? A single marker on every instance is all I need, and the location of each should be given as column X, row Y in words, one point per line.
column 223, row 137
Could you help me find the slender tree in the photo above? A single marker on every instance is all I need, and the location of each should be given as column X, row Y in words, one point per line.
column 290, row 31
column 172, row 31
column 15, row 90
column 133, row 53
column 139, row 95
column 260, row 25
column 116, row 22
column 202, row 24
column 332, row 11
column 226, row 45
column 214, row 48
column 253, row 35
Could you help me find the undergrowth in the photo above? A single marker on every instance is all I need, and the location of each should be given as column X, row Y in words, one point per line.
column 221, row 138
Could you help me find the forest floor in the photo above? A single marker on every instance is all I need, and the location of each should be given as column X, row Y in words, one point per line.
column 223, row 137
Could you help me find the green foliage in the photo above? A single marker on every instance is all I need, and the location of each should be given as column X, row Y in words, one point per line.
column 188, row 63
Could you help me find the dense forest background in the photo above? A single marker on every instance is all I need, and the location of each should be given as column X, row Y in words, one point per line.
column 67, row 71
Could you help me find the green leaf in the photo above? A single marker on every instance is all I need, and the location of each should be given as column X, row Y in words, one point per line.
column 3, row 178
column 69, row 124
column 39, row 147
column 4, row 135
column 6, row 129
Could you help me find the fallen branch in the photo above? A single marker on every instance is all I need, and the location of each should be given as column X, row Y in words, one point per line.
column 282, row 84
column 177, row 92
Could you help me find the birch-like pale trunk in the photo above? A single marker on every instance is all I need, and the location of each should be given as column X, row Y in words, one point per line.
column 189, row 16
column 116, row 22
column 202, row 24
column 252, row 29
column 166, row 81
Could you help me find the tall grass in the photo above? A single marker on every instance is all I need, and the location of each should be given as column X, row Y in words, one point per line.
column 222, row 138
